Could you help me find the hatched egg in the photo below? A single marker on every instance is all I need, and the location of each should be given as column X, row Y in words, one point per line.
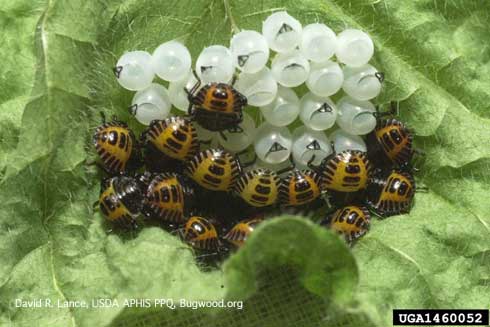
column 284, row 109
column 215, row 64
column 134, row 71
column 354, row 47
column 250, row 51
column 325, row 78
column 344, row 141
column 238, row 139
column 282, row 31
column 204, row 135
column 171, row 60
column 308, row 143
column 290, row 69
column 272, row 144
column 150, row 104
column 278, row 167
column 317, row 113
column 362, row 83
column 260, row 88
column 177, row 94
column 355, row 116
column 318, row 42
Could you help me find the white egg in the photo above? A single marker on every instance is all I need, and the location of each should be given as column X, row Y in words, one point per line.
column 260, row 88
column 325, row 78
column 317, row 113
column 250, row 51
column 282, row 31
column 204, row 135
column 240, row 138
column 272, row 144
column 278, row 167
column 344, row 141
column 215, row 64
column 308, row 143
column 134, row 70
column 362, row 83
column 150, row 104
column 178, row 95
column 318, row 42
column 354, row 47
column 284, row 109
column 290, row 69
column 355, row 116
column 171, row 60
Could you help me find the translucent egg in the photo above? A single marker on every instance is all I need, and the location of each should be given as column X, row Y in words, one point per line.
column 274, row 167
column 260, row 88
column 355, row 116
column 204, row 135
column 215, row 64
column 318, row 42
column 325, row 78
column 282, row 31
column 317, row 113
column 171, row 60
column 308, row 143
column 250, row 51
column 354, row 47
column 134, row 70
column 177, row 94
column 239, row 139
column 362, row 83
column 150, row 104
column 272, row 144
column 344, row 141
column 290, row 69
column 284, row 109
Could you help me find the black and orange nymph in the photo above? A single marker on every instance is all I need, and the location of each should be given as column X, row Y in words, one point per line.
column 214, row 169
column 241, row 231
column 345, row 176
column 258, row 187
column 117, row 148
column 350, row 221
column 167, row 143
column 390, row 144
column 168, row 198
column 201, row 234
column 299, row 187
column 216, row 106
column 121, row 200
column 391, row 193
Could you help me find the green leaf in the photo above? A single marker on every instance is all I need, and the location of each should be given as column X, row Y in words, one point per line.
column 56, row 77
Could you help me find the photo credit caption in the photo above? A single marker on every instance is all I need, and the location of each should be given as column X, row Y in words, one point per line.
column 101, row 303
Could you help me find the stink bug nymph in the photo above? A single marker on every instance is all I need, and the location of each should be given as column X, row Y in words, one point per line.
column 168, row 142
column 344, row 175
column 391, row 193
column 121, row 200
column 299, row 187
column 201, row 234
column 214, row 169
column 391, row 142
column 241, row 231
column 168, row 198
column 117, row 147
column 350, row 221
column 216, row 106
column 258, row 188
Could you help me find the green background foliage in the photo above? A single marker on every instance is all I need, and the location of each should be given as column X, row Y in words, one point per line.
column 56, row 76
